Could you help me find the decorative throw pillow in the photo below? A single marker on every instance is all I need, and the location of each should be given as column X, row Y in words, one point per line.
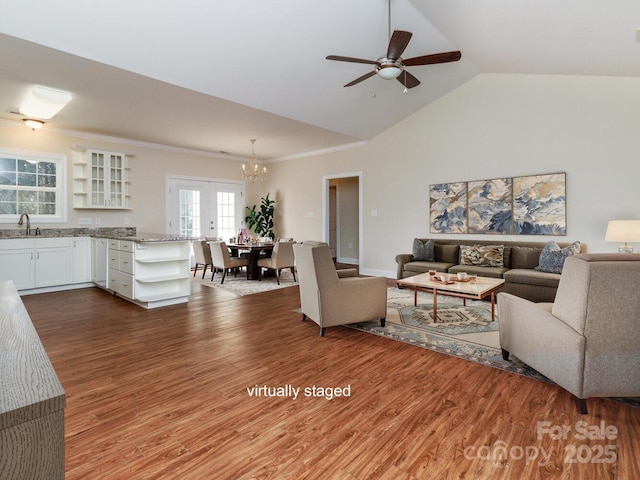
column 482, row 255
column 423, row 251
column 552, row 256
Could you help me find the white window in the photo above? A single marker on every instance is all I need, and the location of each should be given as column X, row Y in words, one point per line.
column 32, row 183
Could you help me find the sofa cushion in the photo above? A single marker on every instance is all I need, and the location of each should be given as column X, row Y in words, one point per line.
column 525, row 257
column 493, row 272
column 423, row 250
column 482, row 255
column 423, row 267
column 529, row 276
column 552, row 256
column 447, row 253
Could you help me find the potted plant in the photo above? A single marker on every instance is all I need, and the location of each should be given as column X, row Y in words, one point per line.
column 261, row 220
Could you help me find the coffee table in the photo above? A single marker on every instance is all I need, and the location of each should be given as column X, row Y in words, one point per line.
column 483, row 287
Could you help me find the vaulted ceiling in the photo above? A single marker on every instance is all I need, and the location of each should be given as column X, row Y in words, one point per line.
column 210, row 75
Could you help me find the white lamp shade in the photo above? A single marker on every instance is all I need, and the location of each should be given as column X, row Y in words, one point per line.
column 623, row 231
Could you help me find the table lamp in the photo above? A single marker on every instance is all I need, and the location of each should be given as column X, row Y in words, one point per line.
column 625, row 231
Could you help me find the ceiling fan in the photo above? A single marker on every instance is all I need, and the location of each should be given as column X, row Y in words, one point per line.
column 392, row 65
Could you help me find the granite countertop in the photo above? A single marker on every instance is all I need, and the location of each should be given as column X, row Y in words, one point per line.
column 119, row 233
column 150, row 237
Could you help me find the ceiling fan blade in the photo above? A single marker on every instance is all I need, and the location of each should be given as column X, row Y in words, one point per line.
column 360, row 79
column 408, row 80
column 433, row 58
column 338, row 58
column 397, row 44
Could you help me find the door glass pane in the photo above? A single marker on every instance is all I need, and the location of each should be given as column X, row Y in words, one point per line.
column 190, row 213
column 226, row 203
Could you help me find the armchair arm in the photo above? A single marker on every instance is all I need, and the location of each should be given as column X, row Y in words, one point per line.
column 347, row 272
column 401, row 259
column 544, row 342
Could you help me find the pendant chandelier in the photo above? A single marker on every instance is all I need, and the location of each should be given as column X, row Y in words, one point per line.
column 254, row 171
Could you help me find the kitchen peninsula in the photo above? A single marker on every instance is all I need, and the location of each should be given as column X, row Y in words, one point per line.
column 150, row 270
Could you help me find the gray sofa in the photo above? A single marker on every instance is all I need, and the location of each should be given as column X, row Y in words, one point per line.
column 519, row 258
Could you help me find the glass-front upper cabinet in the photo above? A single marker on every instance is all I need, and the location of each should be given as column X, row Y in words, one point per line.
column 100, row 180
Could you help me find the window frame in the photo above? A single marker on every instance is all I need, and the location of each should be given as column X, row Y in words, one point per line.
column 60, row 190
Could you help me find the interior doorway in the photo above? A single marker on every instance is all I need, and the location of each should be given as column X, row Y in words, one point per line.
column 342, row 216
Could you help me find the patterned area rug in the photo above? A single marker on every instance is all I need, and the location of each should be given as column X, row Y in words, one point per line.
column 465, row 332
column 241, row 286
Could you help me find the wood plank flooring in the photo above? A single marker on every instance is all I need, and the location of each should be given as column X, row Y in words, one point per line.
column 162, row 394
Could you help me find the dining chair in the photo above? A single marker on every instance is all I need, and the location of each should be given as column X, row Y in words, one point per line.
column 202, row 253
column 223, row 260
column 282, row 257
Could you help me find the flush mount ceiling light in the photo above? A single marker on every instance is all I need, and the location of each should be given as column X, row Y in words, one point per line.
column 33, row 124
column 44, row 102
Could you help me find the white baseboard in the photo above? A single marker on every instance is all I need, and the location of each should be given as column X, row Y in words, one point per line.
column 58, row 288
column 377, row 273
column 350, row 261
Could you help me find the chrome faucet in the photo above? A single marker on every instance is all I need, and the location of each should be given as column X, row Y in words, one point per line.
column 28, row 222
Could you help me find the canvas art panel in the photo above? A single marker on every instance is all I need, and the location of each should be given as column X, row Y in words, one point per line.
column 539, row 205
column 448, row 207
column 490, row 206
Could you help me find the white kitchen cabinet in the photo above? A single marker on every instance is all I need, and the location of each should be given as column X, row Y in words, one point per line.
column 36, row 262
column 121, row 268
column 150, row 274
column 17, row 262
column 81, row 260
column 100, row 180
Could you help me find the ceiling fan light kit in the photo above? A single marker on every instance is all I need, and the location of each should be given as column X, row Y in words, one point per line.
column 392, row 65
column 389, row 70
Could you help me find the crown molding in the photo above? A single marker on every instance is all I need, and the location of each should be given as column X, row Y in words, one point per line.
column 173, row 149
column 324, row 151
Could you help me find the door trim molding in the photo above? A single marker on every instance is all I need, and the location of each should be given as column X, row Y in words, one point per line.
column 325, row 209
column 170, row 177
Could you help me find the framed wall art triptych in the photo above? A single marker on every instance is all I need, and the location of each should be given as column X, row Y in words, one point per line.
column 532, row 205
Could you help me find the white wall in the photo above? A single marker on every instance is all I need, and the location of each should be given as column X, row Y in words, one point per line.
column 148, row 171
column 493, row 126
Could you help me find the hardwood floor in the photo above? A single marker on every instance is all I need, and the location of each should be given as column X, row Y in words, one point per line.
column 163, row 394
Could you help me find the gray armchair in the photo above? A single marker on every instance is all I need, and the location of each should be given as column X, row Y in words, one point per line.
column 588, row 340
column 331, row 298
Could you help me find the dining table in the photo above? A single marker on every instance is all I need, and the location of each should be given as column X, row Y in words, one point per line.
column 254, row 250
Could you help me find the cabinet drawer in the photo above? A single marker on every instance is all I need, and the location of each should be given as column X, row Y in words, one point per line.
column 126, row 262
column 115, row 244
column 114, row 259
column 126, row 285
column 121, row 283
column 126, row 245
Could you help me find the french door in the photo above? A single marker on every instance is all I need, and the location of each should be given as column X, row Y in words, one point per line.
column 204, row 208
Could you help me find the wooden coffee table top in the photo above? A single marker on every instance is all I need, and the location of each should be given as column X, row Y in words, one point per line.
column 481, row 287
